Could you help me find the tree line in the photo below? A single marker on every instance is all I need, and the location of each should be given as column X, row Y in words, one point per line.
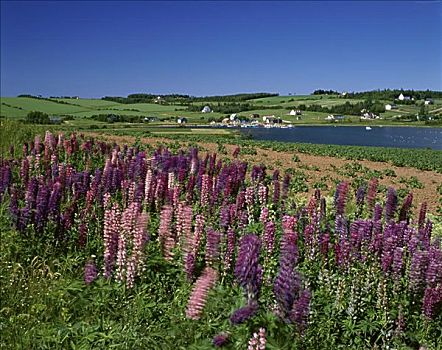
column 391, row 94
column 185, row 99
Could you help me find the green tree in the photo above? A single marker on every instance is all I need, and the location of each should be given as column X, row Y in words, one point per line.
column 36, row 117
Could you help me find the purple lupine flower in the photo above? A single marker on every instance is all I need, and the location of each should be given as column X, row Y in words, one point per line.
column 341, row 197
column 82, row 234
column 324, row 243
column 432, row 298
column 371, row 194
column 54, row 202
column 189, row 265
column 377, row 215
column 287, row 282
column 220, row 340
column 300, row 310
column 390, row 204
column 212, row 246
column 406, row 206
column 224, row 216
column 397, row 262
column 244, row 313
column 90, row 272
column 276, row 192
column 24, row 171
column 418, row 266
column 41, row 206
column 433, row 274
column 247, row 269
column 13, row 206
column 360, row 195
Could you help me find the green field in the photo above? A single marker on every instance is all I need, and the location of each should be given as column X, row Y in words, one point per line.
column 83, row 109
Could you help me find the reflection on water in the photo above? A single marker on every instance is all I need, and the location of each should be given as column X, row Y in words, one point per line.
column 404, row 137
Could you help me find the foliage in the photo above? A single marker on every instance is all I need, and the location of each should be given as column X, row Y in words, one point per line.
column 316, row 273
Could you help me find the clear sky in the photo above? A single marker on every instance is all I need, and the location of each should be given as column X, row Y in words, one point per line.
column 92, row 49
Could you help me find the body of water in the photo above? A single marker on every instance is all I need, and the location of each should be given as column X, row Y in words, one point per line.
column 404, row 137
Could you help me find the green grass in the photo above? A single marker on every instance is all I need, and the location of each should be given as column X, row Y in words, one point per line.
column 14, row 107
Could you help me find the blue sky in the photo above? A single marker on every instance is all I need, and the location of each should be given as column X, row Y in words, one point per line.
column 102, row 48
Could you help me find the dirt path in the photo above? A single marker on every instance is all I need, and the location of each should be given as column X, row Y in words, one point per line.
column 319, row 168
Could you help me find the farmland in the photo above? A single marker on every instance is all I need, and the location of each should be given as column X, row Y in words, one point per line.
column 81, row 110
column 181, row 239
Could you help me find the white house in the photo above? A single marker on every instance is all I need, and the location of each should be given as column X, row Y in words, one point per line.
column 335, row 117
column 295, row 112
column 390, row 106
column 402, row 97
column 428, row 101
column 181, row 120
column 206, row 109
column 271, row 119
column 233, row 117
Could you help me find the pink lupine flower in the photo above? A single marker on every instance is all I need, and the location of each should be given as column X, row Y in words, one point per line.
column 200, row 291
column 258, row 340
column 269, row 237
column 205, row 190
column 264, row 215
column 228, row 258
column 165, row 237
column 212, row 246
column 262, row 194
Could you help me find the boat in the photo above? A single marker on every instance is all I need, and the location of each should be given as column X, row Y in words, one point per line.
column 367, row 128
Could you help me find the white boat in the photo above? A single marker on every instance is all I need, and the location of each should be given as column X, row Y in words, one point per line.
column 367, row 128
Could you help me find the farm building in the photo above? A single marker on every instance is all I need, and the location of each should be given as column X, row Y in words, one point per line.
column 333, row 117
column 206, row 109
column 55, row 120
column 271, row 119
column 428, row 101
column 390, row 106
column 233, row 117
column 295, row 112
column 402, row 97
column 181, row 120
column 367, row 115
column 150, row 119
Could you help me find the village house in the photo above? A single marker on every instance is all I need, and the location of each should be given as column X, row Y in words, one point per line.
column 367, row 115
column 295, row 112
column 206, row 109
column 150, row 119
column 428, row 101
column 390, row 106
column 271, row 119
column 334, row 118
column 181, row 120
column 402, row 97
column 254, row 115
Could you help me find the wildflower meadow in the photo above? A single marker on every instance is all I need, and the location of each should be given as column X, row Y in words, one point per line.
column 130, row 247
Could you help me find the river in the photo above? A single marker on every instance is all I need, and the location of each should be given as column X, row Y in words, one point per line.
column 403, row 137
